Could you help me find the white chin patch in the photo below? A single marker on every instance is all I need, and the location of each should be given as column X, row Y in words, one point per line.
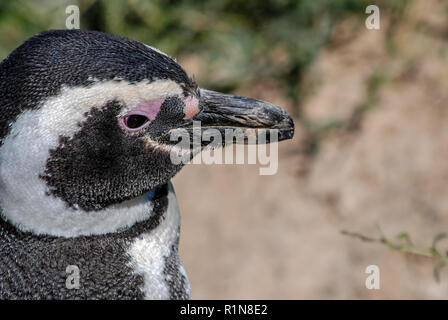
column 24, row 199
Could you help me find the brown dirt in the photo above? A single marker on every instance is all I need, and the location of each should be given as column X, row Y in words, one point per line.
column 246, row 236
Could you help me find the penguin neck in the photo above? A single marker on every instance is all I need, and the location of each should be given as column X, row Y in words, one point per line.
column 51, row 216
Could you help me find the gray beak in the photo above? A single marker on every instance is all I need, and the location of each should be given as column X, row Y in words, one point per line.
column 223, row 111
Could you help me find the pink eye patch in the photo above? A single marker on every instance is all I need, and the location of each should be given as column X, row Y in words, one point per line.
column 191, row 107
column 141, row 116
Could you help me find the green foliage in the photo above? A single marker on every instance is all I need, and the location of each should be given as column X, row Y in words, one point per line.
column 240, row 42
column 402, row 243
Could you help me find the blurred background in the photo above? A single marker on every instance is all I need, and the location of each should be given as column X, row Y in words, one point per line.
column 369, row 154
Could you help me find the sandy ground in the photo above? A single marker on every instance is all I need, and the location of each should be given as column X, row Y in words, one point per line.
column 246, row 236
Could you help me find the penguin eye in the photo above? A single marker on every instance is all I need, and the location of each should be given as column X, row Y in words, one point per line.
column 135, row 121
column 141, row 116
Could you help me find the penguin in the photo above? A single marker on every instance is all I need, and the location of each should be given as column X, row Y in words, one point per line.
column 87, row 209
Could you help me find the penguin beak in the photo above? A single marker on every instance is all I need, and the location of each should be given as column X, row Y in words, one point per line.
column 223, row 111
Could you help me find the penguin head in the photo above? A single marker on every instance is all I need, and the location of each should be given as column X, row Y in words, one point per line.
column 86, row 118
